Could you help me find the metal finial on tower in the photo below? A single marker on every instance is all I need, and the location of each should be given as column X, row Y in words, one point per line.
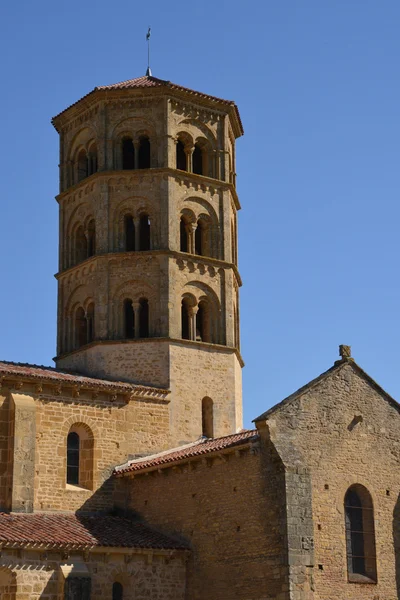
column 148, row 34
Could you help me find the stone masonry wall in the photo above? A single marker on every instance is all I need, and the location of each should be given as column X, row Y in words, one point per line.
column 348, row 433
column 39, row 575
column 232, row 510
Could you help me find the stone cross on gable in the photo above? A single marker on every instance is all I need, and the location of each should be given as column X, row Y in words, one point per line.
column 345, row 351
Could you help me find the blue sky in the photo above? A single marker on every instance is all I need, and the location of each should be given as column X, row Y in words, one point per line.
column 317, row 85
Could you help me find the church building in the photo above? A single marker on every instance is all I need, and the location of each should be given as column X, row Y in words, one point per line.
column 126, row 473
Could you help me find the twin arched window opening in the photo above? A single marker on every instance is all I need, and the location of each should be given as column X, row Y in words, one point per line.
column 84, row 325
column 137, row 233
column 84, row 243
column 196, row 321
column 194, row 238
column 136, row 319
column 360, row 534
column 135, row 155
column 86, row 162
column 193, row 159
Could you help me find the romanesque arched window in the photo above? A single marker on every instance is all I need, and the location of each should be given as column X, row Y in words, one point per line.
column 198, row 160
column 181, row 162
column 80, row 456
column 144, row 232
column 91, row 239
column 207, row 417
column 184, row 236
column 185, row 320
column 144, row 152
column 143, row 318
column 129, row 227
column 360, row 534
column 80, row 245
column 203, row 322
column 128, row 153
column 73, row 452
column 80, row 328
column 129, row 319
column 92, row 159
column 117, row 591
column 82, row 165
column 90, row 322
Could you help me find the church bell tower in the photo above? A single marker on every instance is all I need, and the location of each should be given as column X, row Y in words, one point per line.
column 148, row 280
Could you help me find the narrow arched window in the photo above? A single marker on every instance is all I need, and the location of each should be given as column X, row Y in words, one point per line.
column 128, row 154
column 207, row 417
column 197, row 160
column 203, row 322
column 185, row 321
column 90, row 323
column 144, row 153
column 80, row 245
column 80, row 328
column 144, row 232
column 73, row 449
column 360, row 534
column 129, row 320
column 91, row 241
column 199, row 238
column 117, row 591
column 129, row 233
column 143, row 318
column 184, row 237
column 92, row 159
column 82, row 166
column 180, row 156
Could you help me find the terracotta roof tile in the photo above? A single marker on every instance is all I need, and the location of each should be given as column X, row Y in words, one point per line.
column 148, row 81
column 75, row 531
column 198, row 448
column 59, row 376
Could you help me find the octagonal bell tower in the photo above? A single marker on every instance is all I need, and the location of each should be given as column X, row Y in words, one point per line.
column 148, row 281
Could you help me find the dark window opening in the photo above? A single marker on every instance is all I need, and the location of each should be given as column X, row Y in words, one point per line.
column 117, row 591
column 77, row 588
column 185, row 322
column 203, row 323
column 90, row 323
column 144, row 153
column 144, row 226
column 128, row 154
column 80, row 327
column 197, row 160
column 91, row 245
column 80, row 245
column 144, row 318
column 129, row 233
column 200, row 324
column 92, row 160
column 180, row 156
column 73, row 458
column 129, row 320
column 82, row 165
column 207, row 417
column 199, row 239
column 184, row 236
column 360, row 534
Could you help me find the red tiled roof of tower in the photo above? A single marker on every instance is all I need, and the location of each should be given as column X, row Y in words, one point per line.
column 49, row 373
column 198, row 448
column 148, row 81
column 81, row 531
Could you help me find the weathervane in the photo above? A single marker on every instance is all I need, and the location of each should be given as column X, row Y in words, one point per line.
column 148, row 34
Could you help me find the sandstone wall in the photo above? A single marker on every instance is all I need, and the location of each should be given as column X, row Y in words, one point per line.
column 347, row 433
column 232, row 511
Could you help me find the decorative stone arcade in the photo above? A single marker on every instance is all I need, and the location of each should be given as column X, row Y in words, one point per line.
column 148, row 281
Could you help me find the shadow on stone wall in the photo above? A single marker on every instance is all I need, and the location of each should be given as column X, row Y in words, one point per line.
column 396, row 540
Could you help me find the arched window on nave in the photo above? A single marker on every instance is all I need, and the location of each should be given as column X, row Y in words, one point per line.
column 360, row 534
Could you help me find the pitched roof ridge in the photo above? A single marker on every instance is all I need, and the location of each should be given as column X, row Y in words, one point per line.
column 339, row 364
column 35, row 366
column 201, row 446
